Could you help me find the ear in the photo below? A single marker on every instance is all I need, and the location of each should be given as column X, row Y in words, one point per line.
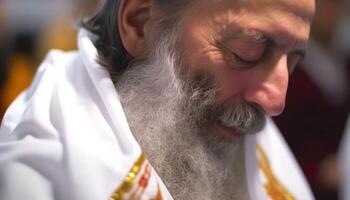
column 133, row 17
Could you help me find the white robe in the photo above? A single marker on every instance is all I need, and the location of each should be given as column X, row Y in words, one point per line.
column 345, row 163
column 67, row 138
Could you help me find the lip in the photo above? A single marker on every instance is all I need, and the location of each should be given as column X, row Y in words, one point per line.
column 231, row 133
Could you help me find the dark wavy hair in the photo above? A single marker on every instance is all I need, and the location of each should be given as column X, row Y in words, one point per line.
column 112, row 54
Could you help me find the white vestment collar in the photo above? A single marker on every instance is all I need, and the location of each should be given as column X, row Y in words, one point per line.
column 281, row 162
column 108, row 94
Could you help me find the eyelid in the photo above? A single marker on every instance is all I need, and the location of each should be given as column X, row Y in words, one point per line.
column 259, row 37
column 233, row 58
column 237, row 62
column 244, row 60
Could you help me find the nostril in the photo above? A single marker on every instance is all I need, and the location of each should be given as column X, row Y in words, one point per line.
column 276, row 108
column 271, row 103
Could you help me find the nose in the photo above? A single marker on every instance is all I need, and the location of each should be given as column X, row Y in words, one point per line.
column 268, row 89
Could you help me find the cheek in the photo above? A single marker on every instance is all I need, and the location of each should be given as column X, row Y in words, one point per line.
column 230, row 82
column 200, row 55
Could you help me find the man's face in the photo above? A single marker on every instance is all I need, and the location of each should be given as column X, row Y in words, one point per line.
column 250, row 47
column 213, row 76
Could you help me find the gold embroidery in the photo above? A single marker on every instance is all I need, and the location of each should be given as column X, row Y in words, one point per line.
column 273, row 187
column 159, row 195
column 142, row 184
column 129, row 180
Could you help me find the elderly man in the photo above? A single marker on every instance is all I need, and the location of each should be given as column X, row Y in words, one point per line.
column 163, row 100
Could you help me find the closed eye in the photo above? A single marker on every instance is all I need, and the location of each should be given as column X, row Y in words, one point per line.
column 239, row 62
column 234, row 60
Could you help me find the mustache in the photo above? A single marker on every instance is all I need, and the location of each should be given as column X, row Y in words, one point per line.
column 248, row 118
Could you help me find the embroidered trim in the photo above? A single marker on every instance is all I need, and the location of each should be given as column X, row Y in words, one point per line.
column 129, row 180
column 273, row 186
column 142, row 184
column 159, row 195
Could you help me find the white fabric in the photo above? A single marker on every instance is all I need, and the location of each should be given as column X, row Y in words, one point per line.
column 67, row 137
column 345, row 162
column 282, row 161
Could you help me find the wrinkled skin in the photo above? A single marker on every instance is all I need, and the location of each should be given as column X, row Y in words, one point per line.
column 251, row 47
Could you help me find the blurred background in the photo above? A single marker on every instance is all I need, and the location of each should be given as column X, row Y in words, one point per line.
column 318, row 101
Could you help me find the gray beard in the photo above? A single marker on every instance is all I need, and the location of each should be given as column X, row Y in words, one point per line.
column 169, row 124
column 170, row 117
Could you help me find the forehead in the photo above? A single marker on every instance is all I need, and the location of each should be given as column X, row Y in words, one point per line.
column 303, row 8
column 278, row 18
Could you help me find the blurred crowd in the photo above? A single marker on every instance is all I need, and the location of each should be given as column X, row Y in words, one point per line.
column 318, row 101
column 28, row 30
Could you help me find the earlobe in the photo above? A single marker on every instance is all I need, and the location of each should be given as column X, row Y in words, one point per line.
column 133, row 16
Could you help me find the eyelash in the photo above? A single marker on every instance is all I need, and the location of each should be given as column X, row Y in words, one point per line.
column 237, row 60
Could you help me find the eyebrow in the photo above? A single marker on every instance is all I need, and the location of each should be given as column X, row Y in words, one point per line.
column 230, row 32
column 233, row 33
column 299, row 52
column 305, row 15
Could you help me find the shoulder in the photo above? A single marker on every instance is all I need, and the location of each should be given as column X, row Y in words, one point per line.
column 31, row 145
column 37, row 96
column 63, row 137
